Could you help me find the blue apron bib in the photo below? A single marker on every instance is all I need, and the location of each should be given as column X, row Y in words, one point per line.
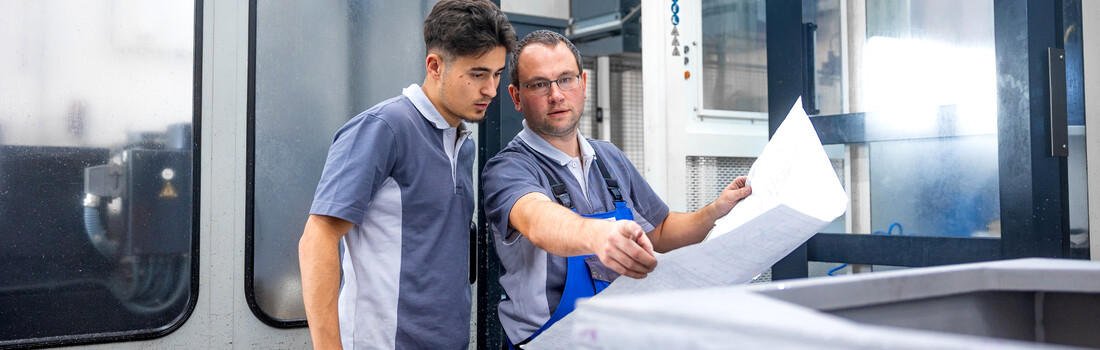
column 585, row 274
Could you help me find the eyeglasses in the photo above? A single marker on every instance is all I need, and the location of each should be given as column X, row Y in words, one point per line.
column 540, row 88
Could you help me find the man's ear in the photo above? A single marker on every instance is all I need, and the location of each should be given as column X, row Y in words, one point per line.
column 584, row 83
column 514, row 92
column 434, row 64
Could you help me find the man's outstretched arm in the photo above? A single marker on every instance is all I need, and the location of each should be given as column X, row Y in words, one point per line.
column 621, row 245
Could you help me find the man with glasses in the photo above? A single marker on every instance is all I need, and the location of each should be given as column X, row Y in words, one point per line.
column 570, row 214
column 397, row 194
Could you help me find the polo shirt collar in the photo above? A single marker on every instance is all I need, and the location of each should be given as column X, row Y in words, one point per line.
column 540, row 145
column 427, row 109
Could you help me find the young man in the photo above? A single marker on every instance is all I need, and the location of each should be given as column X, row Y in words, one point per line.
column 553, row 197
column 397, row 192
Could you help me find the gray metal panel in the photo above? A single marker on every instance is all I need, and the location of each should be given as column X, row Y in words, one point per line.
column 611, row 45
column 614, row 35
column 582, row 9
column 1009, row 315
column 1071, row 318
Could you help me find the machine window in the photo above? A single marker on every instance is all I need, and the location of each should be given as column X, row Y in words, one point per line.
column 735, row 61
column 734, row 56
column 97, row 106
column 305, row 90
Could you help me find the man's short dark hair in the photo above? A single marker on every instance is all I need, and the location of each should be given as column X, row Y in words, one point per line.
column 457, row 28
column 542, row 37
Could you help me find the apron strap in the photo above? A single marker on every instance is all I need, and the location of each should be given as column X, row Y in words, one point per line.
column 612, row 185
column 561, row 192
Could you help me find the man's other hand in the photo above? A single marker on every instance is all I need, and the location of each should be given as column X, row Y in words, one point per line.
column 731, row 195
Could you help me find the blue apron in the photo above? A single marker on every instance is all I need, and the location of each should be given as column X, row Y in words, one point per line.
column 585, row 274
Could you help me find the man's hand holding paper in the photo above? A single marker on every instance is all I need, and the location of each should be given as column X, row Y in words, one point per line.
column 733, row 194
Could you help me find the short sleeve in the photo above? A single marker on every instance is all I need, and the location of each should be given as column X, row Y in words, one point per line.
column 505, row 179
column 359, row 161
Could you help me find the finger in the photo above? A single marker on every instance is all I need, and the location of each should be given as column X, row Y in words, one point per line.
column 740, row 193
column 613, row 253
column 642, row 240
column 746, row 191
column 628, row 229
column 623, row 255
column 634, row 254
column 617, row 267
column 629, row 265
column 638, row 236
column 739, row 182
column 635, row 258
column 646, row 244
column 633, row 231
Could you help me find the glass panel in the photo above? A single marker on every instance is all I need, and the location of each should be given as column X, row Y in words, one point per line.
column 932, row 187
column 924, row 67
column 96, row 199
column 317, row 65
column 919, row 56
column 922, row 54
column 827, row 53
column 735, row 75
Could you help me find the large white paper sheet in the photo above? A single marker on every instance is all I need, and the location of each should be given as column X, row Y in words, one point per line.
column 793, row 170
column 795, row 193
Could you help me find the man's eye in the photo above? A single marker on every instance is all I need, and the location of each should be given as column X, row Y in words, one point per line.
column 541, row 85
column 478, row 75
column 497, row 74
column 565, row 80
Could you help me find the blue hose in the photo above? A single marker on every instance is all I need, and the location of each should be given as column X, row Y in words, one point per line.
column 835, row 269
column 97, row 234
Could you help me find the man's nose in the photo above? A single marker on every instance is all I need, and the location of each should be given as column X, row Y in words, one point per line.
column 490, row 89
column 555, row 92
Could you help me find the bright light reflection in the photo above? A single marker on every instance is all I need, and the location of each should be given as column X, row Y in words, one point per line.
column 909, row 79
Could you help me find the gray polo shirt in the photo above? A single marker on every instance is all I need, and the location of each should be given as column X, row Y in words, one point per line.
column 397, row 173
column 533, row 279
